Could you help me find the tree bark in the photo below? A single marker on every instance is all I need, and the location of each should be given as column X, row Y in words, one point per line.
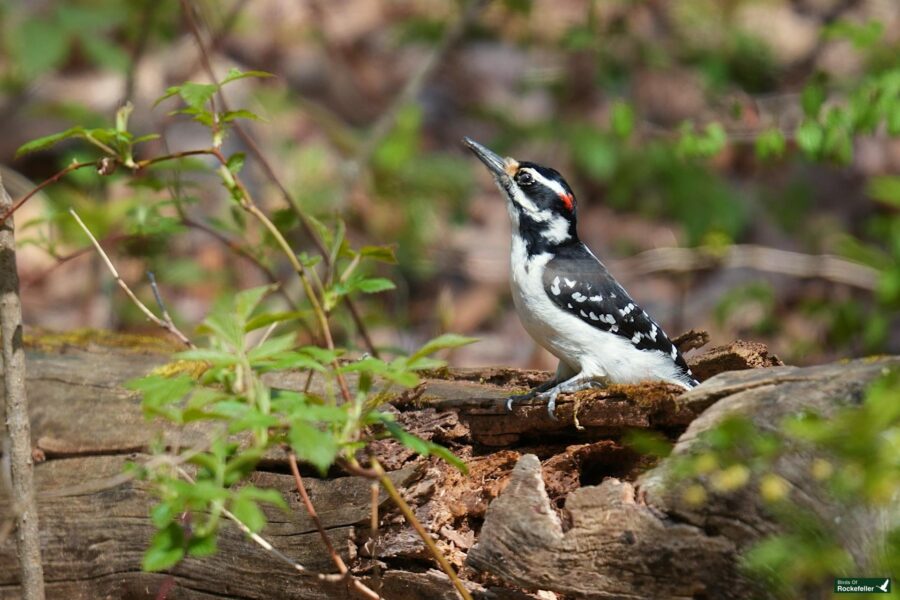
column 18, row 428
column 545, row 505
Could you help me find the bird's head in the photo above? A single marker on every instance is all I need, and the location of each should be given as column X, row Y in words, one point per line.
column 540, row 202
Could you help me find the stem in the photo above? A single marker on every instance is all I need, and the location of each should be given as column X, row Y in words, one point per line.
column 18, row 203
column 270, row 173
column 28, row 541
column 410, row 517
column 251, row 207
column 166, row 324
column 266, row 545
column 358, row 586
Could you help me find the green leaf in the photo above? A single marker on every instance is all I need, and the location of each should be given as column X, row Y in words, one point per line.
column 385, row 254
column 248, row 512
column 241, row 465
column 159, row 391
column 231, row 115
column 48, row 140
column 296, row 360
column 170, row 91
column 268, row 318
column 770, row 144
column 196, row 95
column 246, row 301
column 885, row 189
column 234, row 74
column 146, row 138
column 375, row 285
column 220, row 358
column 313, row 446
column 166, row 549
column 200, row 546
column 236, row 162
column 809, row 137
column 271, row 347
column 424, row 362
column 162, row 514
column 269, row 496
column 861, row 35
column 813, row 96
column 442, row 342
column 622, row 119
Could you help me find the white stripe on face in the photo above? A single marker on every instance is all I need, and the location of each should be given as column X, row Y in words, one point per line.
column 553, row 185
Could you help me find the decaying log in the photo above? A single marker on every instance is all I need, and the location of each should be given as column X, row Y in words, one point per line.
column 95, row 522
column 643, row 539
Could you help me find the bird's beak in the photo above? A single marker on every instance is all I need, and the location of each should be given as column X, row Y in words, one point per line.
column 498, row 166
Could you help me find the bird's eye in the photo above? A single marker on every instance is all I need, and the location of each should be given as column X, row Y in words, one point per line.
column 524, row 178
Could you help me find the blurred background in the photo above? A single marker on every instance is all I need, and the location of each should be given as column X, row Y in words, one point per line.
column 735, row 162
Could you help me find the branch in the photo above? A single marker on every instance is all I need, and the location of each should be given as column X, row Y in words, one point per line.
column 410, row 517
column 761, row 258
column 28, row 539
column 270, row 173
column 360, row 587
column 166, row 322
column 10, row 210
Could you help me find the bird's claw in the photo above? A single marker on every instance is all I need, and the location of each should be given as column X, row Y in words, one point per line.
column 549, row 397
column 519, row 398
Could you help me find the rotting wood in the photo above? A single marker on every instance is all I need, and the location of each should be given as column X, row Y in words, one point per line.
column 87, row 425
column 643, row 538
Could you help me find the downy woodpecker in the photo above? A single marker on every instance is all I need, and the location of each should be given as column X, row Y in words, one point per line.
column 566, row 298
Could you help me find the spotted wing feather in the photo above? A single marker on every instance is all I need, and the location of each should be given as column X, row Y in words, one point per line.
column 580, row 284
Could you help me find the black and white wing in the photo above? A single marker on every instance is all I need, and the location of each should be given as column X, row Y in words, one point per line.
column 580, row 285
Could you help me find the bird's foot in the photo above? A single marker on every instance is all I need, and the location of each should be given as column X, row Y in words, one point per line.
column 529, row 394
column 576, row 384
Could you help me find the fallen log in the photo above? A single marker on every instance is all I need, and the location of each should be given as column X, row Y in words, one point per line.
column 95, row 523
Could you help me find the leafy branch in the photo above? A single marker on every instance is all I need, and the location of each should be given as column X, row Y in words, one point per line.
column 221, row 380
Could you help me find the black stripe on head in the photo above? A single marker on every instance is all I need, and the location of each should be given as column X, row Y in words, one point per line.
column 547, row 188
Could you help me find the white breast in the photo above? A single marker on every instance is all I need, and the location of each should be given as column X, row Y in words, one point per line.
column 582, row 347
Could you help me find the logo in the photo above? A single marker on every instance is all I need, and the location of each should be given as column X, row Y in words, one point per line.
column 862, row 585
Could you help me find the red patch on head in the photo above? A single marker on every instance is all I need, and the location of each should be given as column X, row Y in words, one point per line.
column 568, row 200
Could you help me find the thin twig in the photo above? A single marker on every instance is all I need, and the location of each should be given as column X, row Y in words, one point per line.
column 410, row 517
column 249, row 257
column 251, row 144
column 373, row 534
column 267, row 546
column 248, row 204
column 358, row 586
column 50, row 180
column 158, row 297
column 166, row 324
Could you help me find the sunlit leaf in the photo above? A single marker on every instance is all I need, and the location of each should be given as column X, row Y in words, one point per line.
column 443, row 342
column 47, row 141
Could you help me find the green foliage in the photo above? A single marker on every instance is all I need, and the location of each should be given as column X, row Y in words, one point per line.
column 198, row 98
column 854, row 458
column 317, row 424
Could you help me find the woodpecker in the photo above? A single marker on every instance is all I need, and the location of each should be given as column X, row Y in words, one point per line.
column 566, row 298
